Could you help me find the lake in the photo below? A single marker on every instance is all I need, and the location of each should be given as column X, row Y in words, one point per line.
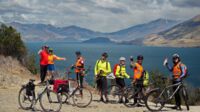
column 153, row 56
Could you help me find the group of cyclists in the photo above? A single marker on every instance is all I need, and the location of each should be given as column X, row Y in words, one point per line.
column 103, row 68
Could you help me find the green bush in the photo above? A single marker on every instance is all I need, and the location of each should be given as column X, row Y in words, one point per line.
column 30, row 63
column 11, row 44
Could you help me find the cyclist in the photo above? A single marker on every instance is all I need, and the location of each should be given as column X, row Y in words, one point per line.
column 179, row 71
column 138, row 75
column 79, row 68
column 43, row 62
column 120, row 74
column 51, row 58
column 101, row 70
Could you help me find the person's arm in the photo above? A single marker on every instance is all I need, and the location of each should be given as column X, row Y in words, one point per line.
column 107, row 71
column 126, row 75
column 117, row 72
column 169, row 67
column 59, row 58
column 183, row 71
column 95, row 69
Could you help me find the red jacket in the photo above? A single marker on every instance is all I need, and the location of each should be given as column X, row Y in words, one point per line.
column 43, row 57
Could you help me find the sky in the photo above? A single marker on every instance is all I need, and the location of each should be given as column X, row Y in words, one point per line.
column 97, row 15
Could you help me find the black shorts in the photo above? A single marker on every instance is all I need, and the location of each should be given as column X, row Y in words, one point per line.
column 120, row 82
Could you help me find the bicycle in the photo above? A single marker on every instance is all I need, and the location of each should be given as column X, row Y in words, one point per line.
column 49, row 100
column 157, row 98
column 82, row 97
column 132, row 93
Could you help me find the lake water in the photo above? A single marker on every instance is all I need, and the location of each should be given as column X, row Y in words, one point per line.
column 153, row 56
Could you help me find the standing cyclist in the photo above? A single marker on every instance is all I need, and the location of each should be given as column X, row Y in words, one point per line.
column 43, row 62
column 101, row 70
column 138, row 75
column 120, row 74
column 179, row 71
column 79, row 68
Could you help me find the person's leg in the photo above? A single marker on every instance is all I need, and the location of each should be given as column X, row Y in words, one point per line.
column 177, row 97
column 122, row 86
column 105, row 88
column 136, row 95
column 101, row 88
column 42, row 73
column 45, row 71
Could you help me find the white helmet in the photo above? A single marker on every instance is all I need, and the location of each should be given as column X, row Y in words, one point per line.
column 122, row 59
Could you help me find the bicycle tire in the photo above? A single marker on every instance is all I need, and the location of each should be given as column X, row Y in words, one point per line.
column 114, row 92
column 82, row 97
column 128, row 97
column 28, row 98
column 150, row 97
column 185, row 97
column 56, row 99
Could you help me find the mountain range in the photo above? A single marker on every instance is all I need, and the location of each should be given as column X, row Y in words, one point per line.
column 185, row 34
column 43, row 32
column 160, row 32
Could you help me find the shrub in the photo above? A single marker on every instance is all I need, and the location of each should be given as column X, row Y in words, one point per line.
column 11, row 44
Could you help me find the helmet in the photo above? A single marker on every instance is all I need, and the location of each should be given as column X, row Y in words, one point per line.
column 78, row 53
column 140, row 57
column 122, row 59
column 105, row 55
column 175, row 56
column 50, row 50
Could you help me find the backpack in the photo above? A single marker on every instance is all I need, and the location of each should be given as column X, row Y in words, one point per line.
column 115, row 68
column 145, row 78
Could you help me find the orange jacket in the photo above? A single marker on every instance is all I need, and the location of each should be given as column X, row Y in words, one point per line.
column 79, row 64
column 138, row 71
column 177, row 70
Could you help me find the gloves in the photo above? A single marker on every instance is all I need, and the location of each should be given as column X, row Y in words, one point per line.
column 165, row 62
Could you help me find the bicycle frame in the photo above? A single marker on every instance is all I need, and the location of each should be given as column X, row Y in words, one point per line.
column 178, row 85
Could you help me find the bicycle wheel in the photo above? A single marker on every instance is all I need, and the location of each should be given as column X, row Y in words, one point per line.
column 114, row 93
column 50, row 101
column 25, row 101
column 185, row 97
column 154, row 101
column 82, row 97
column 128, row 97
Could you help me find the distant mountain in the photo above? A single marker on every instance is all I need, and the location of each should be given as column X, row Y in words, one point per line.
column 98, row 40
column 43, row 32
column 185, row 34
column 141, row 30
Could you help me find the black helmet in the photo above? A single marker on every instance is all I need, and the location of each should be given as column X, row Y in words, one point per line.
column 140, row 57
column 105, row 55
column 78, row 53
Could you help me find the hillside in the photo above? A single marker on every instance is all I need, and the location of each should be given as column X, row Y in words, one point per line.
column 12, row 72
column 98, row 40
column 141, row 30
column 185, row 34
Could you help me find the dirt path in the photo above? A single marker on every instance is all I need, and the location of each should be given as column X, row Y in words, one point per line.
column 9, row 103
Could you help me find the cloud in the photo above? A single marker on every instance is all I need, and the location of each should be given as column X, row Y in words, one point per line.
column 99, row 15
